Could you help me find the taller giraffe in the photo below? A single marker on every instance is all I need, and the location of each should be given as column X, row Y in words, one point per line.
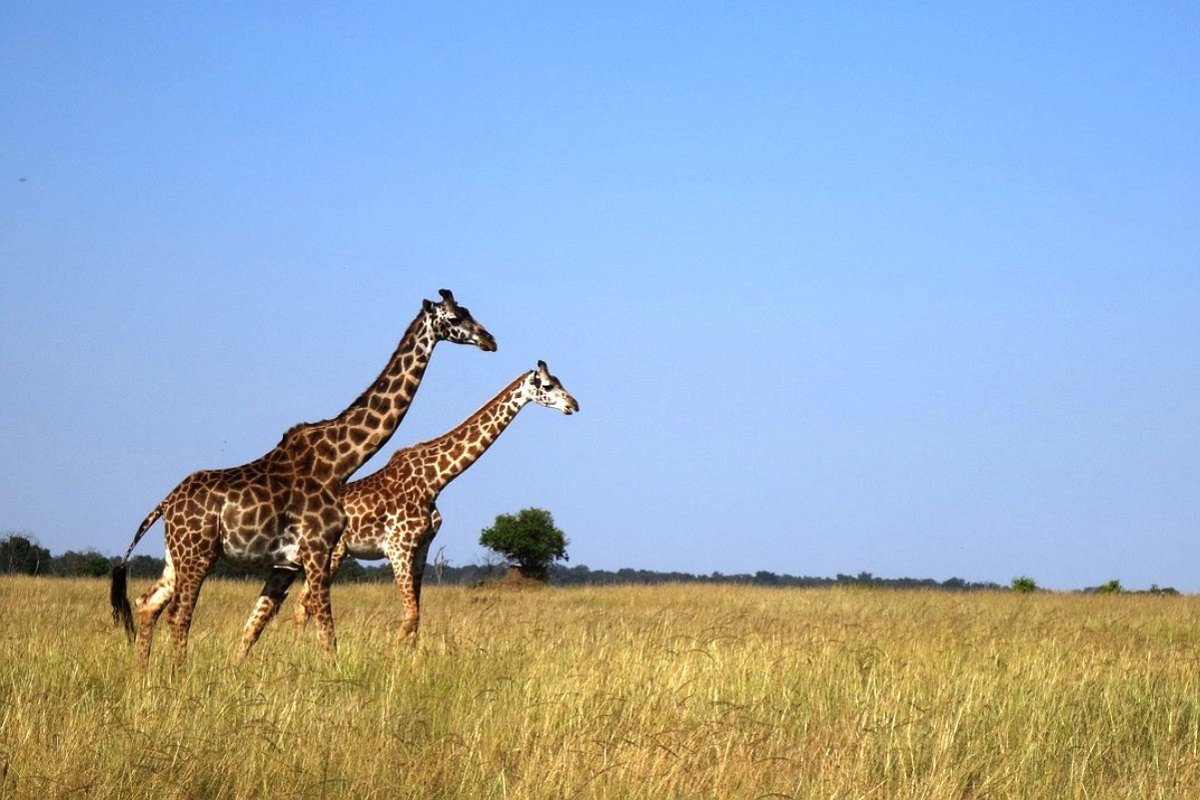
column 283, row 510
column 393, row 513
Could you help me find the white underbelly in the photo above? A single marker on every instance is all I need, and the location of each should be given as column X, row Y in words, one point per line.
column 365, row 550
column 277, row 552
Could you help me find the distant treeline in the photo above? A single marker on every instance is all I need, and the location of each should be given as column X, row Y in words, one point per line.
column 19, row 554
column 583, row 575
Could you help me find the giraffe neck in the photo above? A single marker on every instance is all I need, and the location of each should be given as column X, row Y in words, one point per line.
column 367, row 423
column 453, row 452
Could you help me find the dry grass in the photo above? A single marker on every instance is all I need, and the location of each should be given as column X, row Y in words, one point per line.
column 627, row 692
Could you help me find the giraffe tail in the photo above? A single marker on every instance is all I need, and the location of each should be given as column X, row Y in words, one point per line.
column 119, row 593
column 119, row 597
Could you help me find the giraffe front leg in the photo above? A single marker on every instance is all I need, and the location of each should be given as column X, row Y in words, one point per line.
column 401, row 557
column 418, row 576
column 318, row 600
column 303, row 602
column 274, row 592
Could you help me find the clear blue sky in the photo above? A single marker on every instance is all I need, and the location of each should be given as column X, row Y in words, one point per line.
column 839, row 287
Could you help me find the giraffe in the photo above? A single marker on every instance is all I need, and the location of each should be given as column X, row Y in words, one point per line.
column 393, row 513
column 283, row 511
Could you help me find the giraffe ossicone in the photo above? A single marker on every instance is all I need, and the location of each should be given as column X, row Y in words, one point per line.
column 393, row 513
column 283, row 511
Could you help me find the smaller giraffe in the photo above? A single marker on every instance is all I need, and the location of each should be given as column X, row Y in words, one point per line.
column 393, row 514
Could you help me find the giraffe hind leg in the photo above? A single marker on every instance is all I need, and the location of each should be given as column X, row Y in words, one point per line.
column 187, row 592
column 300, row 612
column 150, row 606
column 274, row 592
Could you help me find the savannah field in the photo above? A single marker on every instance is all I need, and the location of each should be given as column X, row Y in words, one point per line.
column 676, row 691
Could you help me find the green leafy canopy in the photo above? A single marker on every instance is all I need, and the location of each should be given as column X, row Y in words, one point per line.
column 529, row 540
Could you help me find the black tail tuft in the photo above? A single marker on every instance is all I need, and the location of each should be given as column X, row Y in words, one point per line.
column 118, row 595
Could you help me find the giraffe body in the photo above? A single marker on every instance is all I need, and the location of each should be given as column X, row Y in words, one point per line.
column 283, row 511
column 393, row 513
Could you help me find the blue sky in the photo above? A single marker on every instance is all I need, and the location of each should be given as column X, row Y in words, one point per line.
column 914, row 291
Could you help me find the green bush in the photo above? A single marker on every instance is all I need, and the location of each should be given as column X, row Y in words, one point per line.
column 1024, row 584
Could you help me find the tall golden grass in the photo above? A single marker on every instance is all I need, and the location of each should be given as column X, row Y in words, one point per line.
column 677, row 691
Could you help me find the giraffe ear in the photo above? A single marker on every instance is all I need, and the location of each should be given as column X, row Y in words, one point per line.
column 542, row 366
column 427, row 306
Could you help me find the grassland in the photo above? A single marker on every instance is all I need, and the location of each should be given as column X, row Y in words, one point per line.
column 623, row 692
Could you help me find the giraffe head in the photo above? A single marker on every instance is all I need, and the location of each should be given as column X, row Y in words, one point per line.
column 454, row 323
column 546, row 390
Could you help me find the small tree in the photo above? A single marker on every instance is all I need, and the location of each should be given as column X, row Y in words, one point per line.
column 1024, row 584
column 1112, row 587
column 529, row 541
